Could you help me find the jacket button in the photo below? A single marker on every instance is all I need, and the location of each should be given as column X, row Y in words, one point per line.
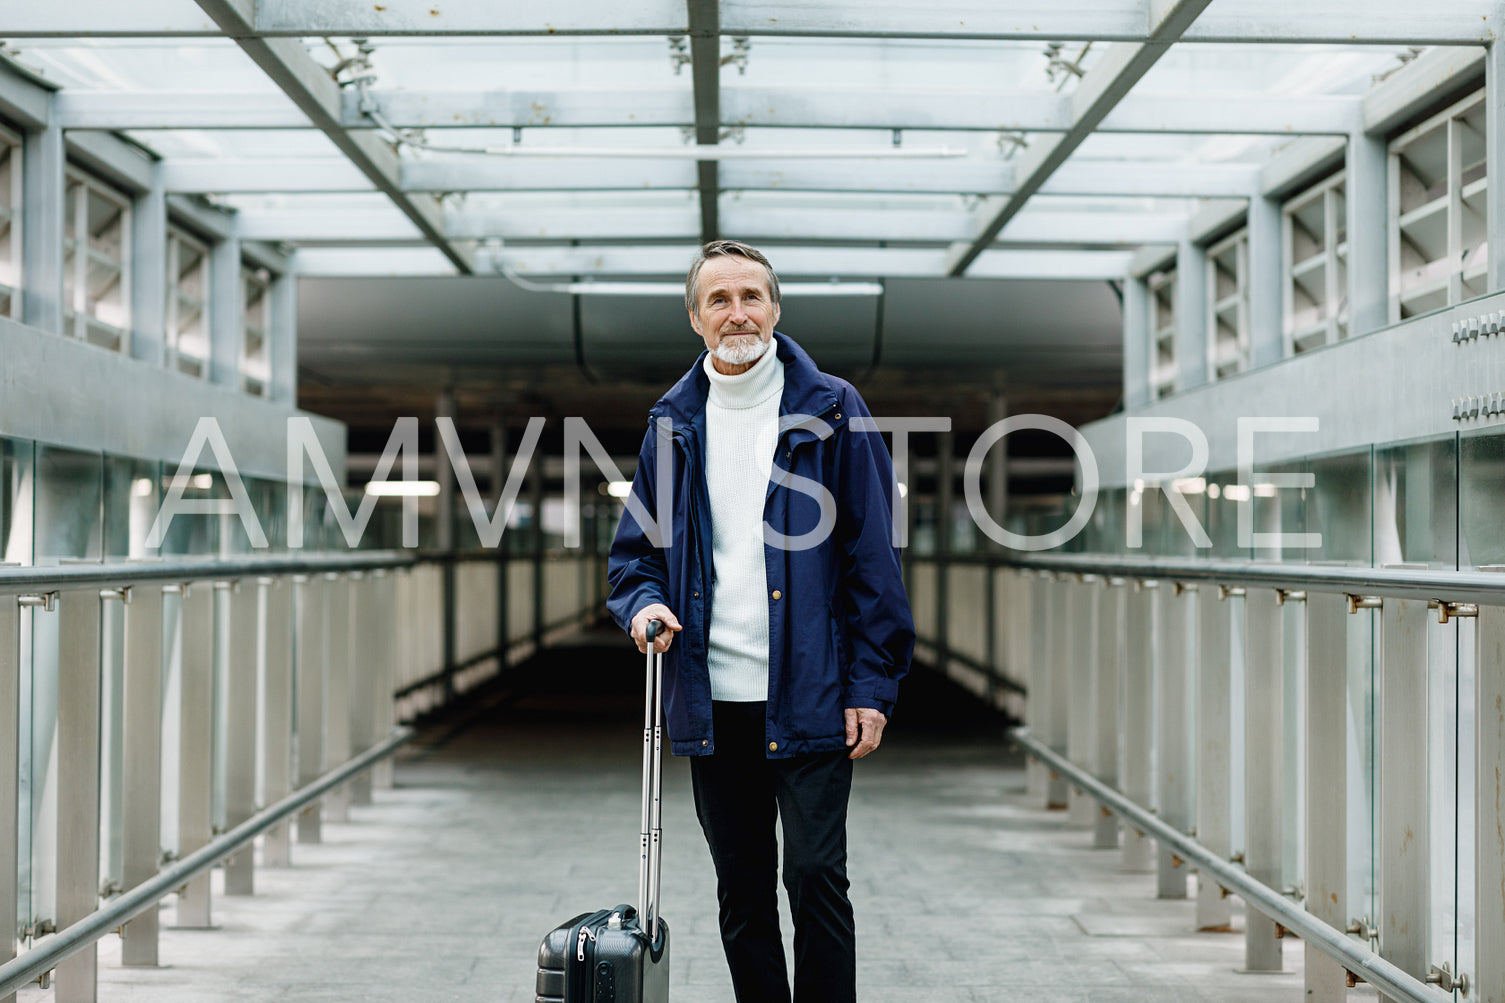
column 838, row 416
column 697, row 595
column 773, row 746
column 705, row 741
column 777, row 594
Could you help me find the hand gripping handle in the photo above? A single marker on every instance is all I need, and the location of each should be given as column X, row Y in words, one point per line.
column 651, row 831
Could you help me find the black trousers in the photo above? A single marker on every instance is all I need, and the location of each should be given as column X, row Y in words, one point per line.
column 738, row 793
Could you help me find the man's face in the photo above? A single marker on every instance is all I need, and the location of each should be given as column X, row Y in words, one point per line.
column 736, row 313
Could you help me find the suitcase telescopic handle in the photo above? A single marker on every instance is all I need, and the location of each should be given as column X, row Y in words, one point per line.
column 652, row 831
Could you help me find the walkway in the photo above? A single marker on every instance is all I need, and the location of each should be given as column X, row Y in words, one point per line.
column 441, row 890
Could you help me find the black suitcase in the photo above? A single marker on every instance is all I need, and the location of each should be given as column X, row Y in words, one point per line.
column 620, row 955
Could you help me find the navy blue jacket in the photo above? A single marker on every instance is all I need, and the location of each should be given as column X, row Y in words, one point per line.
column 840, row 633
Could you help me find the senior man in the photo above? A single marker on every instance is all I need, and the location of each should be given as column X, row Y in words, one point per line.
column 779, row 577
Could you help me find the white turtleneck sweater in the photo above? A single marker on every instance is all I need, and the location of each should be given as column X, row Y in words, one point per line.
column 742, row 425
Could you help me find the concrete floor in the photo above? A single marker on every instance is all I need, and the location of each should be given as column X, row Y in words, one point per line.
column 964, row 889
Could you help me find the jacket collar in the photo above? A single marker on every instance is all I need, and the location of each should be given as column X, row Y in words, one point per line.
column 807, row 390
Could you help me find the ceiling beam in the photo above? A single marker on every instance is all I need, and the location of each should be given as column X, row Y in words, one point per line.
column 1096, row 95
column 705, row 66
column 1390, row 22
column 316, row 94
column 755, row 107
column 326, row 174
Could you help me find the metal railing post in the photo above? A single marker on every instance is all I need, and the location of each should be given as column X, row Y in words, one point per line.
column 1326, row 785
column 1214, row 761
column 78, row 667
column 1402, row 825
column 1108, row 667
column 141, row 770
column 309, row 675
column 337, row 690
column 1264, row 742
column 195, row 773
column 1138, row 715
column 1173, row 765
column 240, row 738
column 276, row 657
column 1080, row 670
column 10, row 739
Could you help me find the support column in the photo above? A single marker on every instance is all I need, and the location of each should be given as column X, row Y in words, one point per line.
column 945, row 484
column 310, row 696
column 998, row 464
column 1139, row 357
column 195, row 773
column 227, row 311
column 1214, row 756
column 389, row 648
column 1494, row 135
column 240, row 737
column 362, row 675
column 1266, row 326
column 1192, row 336
column 1059, row 681
column 337, row 690
column 141, row 771
column 1081, row 740
column 149, row 273
column 1402, row 826
column 1138, row 716
column 1367, row 197
column 498, row 481
column 1489, row 821
column 445, row 524
column 10, row 752
column 78, row 668
column 276, row 599
column 42, row 219
column 1264, row 740
column 282, row 334
column 536, row 493
column 1108, row 667
column 1037, row 707
column 1326, row 784
column 1173, row 762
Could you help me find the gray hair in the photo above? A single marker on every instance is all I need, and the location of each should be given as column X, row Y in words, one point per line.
column 721, row 249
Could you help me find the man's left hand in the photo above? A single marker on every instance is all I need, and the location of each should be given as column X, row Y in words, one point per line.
column 866, row 724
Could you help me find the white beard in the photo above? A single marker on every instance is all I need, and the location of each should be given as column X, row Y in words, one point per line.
column 740, row 351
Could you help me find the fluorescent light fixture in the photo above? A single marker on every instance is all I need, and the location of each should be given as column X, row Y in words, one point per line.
column 1264, row 491
column 202, row 482
column 1213, row 491
column 677, row 289
column 619, row 489
column 1236, row 492
column 402, row 489
column 141, row 487
column 712, row 151
column 1189, row 485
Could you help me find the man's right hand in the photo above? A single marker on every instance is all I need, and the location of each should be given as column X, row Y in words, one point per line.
column 657, row 611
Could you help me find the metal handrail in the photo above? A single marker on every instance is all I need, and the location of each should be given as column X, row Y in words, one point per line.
column 1392, row 981
column 19, row 972
column 1456, row 586
column 32, row 578
column 187, row 569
